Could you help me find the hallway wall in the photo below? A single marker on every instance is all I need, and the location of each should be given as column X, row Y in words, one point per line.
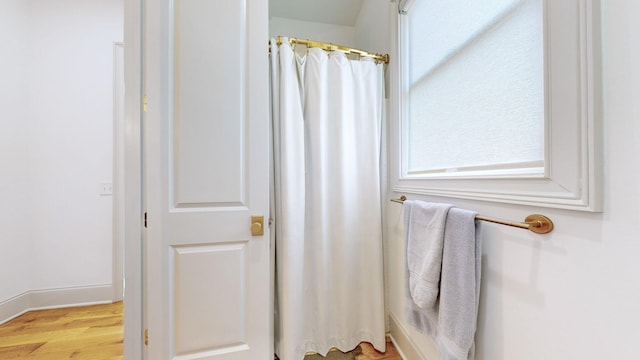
column 71, row 97
column 571, row 294
column 15, row 232
column 62, row 150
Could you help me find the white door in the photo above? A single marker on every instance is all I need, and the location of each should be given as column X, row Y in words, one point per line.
column 208, row 280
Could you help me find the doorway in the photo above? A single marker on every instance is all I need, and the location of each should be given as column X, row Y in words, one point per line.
column 58, row 103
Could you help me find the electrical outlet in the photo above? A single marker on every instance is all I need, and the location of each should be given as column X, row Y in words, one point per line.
column 106, row 188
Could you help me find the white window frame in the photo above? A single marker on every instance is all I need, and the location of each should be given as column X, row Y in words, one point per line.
column 573, row 129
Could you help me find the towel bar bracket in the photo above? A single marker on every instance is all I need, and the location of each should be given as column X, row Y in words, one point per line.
column 539, row 224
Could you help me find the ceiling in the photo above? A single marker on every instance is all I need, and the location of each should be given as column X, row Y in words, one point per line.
column 339, row 12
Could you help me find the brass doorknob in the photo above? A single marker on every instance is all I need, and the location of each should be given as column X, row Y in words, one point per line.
column 257, row 225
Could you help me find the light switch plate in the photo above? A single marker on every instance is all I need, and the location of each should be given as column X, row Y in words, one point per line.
column 106, row 188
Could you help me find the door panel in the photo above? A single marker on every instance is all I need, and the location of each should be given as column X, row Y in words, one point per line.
column 208, row 281
column 197, row 322
column 209, row 102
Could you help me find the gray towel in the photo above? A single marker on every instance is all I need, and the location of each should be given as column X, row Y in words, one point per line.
column 424, row 231
column 452, row 322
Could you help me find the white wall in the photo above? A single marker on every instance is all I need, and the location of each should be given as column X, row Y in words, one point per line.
column 372, row 30
column 337, row 34
column 66, row 76
column 15, row 230
column 72, row 98
column 572, row 294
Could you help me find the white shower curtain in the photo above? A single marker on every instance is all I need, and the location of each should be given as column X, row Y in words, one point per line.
column 327, row 121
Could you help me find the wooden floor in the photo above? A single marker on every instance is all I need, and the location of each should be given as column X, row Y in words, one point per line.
column 79, row 333
column 364, row 351
column 369, row 353
column 95, row 333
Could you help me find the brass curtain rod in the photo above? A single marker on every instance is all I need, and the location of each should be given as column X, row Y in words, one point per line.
column 536, row 223
column 333, row 47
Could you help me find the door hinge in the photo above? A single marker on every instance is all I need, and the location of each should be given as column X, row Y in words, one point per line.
column 145, row 219
column 146, row 337
column 144, row 103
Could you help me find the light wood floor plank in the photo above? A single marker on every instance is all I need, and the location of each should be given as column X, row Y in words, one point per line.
column 78, row 333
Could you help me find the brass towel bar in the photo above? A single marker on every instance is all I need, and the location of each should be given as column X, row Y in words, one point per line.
column 537, row 223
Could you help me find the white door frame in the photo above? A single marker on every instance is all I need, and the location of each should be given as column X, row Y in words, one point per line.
column 118, row 171
column 133, row 287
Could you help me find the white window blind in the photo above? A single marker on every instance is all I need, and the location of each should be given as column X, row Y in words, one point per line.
column 475, row 88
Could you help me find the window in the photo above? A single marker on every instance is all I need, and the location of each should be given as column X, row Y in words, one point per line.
column 498, row 101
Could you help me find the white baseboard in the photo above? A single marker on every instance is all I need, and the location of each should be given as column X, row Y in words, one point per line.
column 14, row 307
column 54, row 298
column 403, row 341
column 398, row 348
